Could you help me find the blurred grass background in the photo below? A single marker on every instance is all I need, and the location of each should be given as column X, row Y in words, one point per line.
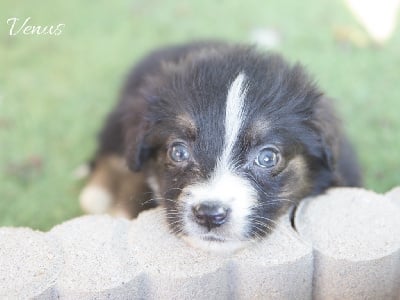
column 56, row 90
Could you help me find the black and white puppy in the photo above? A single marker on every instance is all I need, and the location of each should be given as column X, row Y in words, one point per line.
column 227, row 138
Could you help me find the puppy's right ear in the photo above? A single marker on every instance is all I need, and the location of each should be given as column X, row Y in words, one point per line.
column 137, row 150
column 140, row 137
column 136, row 132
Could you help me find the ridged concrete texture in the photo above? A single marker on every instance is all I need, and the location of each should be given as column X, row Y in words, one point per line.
column 347, row 246
column 356, row 239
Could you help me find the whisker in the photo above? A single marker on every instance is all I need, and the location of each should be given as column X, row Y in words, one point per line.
column 272, row 203
column 258, row 233
column 175, row 188
column 278, row 226
column 266, row 193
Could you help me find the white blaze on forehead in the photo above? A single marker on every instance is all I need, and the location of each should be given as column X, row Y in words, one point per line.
column 226, row 186
column 234, row 115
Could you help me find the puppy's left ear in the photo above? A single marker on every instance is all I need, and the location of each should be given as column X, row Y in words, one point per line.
column 328, row 127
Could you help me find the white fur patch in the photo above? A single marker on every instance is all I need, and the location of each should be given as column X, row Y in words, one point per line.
column 154, row 186
column 224, row 186
column 95, row 199
column 234, row 115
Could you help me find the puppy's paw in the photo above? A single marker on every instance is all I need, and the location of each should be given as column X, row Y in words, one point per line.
column 95, row 199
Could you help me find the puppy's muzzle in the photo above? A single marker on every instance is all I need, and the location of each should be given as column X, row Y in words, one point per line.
column 210, row 214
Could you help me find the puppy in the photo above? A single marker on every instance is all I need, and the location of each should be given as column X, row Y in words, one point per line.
column 224, row 137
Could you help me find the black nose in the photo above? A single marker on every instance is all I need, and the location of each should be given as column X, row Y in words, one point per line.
column 210, row 214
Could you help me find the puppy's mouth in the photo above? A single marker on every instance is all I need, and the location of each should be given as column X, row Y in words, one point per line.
column 211, row 242
column 210, row 237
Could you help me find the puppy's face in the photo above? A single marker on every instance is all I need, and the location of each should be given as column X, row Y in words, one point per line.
column 229, row 148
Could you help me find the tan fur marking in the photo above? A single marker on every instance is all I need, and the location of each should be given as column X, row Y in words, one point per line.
column 258, row 130
column 127, row 189
column 184, row 121
column 301, row 186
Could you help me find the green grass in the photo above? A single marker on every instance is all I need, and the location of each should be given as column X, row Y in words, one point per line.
column 55, row 90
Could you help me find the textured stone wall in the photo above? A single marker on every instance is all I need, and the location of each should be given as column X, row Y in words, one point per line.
column 346, row 245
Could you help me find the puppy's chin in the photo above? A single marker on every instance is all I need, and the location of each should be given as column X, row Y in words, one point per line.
column 213, row 243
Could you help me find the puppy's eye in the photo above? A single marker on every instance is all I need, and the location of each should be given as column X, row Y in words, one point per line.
column 179, row 152
column 267, row 157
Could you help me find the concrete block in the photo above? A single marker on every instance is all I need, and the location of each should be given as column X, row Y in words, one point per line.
column 356, row 238
column 347, row 246
column 394, row 195
column 96, row 263
column 277, row 268
column 30, row 262
column 169, row 268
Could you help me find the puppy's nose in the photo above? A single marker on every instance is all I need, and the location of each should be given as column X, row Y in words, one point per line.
column 210, row 214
